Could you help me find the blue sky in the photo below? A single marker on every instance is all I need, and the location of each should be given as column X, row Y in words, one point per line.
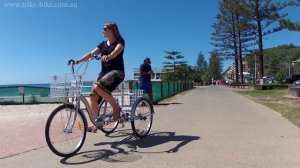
column 36, row 40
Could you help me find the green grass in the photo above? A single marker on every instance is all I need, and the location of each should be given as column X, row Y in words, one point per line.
column 275, row 93
column 278, row 100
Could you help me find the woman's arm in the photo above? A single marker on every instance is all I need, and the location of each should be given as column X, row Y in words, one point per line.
column 119, row 48
column 96, row 51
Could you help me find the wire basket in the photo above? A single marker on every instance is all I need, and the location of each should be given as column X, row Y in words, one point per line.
column 66, row 85
column 125, row 96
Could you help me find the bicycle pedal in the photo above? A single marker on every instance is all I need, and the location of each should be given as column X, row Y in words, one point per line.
column 99, row 119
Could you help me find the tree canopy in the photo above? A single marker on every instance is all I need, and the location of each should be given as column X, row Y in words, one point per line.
column 242, row 23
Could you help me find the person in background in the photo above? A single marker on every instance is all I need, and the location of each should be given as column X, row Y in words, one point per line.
column 112, row 72
column 145, row 77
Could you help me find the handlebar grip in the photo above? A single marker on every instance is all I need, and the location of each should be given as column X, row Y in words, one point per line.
column 97, row 57
column 71, row 62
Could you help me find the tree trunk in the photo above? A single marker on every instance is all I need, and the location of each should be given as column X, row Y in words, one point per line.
column 260, row 42
column 240, row 52
column 236, row 62
column 235, row 51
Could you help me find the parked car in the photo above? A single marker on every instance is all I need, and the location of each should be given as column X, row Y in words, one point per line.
column 297, row 82
column 292, row 78
column 266, row 79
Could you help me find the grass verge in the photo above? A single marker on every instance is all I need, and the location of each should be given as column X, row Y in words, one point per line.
column 278, row 100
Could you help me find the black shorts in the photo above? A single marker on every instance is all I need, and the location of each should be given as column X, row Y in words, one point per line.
column 109, row 81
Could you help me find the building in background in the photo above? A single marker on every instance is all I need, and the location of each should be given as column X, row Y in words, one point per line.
column 156, row 76
column 230, row 72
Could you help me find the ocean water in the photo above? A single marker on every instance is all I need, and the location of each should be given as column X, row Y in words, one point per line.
column 41, row 90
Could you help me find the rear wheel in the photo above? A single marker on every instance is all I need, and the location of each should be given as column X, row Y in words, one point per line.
column 142, row 111
column 65, row 130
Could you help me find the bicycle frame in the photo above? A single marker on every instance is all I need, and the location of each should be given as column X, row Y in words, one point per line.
column 69, row 117
column 76, row 100
column 89, row 110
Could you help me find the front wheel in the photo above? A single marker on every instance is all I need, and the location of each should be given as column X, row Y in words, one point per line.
column 65, row 130
column 142, row 112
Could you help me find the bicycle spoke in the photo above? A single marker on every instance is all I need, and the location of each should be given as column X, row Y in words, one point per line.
column 143, row 116
column 65, row 133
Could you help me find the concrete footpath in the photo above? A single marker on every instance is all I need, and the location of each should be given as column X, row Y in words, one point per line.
column 210, row 127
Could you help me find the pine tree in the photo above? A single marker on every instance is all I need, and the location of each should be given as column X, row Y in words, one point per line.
column 265, row 14
column 224, row 37
column 215, row 65
column 286, row 23
column 201, row 62
column 173, row 66
column 233, row 32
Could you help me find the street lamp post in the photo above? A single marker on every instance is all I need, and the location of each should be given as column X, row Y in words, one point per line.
column 289, row 65
column 289, row 68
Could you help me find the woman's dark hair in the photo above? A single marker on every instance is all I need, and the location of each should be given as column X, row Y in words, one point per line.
column 114, row 27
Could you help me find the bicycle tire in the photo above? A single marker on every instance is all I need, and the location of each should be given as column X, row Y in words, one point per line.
column 142, row 111
column 107, row 127
column 58, row 137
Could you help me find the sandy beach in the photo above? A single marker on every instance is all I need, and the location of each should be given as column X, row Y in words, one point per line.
column 22, row 127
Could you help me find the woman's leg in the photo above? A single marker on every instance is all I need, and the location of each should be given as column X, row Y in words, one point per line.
column 94, row 107
column 110, row 99
column 94, row 104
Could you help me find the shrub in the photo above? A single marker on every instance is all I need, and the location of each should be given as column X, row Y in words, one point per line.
column 280, row 77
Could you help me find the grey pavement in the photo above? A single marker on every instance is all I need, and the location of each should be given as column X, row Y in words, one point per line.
column 210, row 127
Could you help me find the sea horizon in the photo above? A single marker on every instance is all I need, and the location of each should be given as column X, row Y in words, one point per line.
column 37, row 84
column 36, row 89
column 25, row 84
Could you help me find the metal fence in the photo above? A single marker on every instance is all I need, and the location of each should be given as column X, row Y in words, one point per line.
column 31, row 94
column 162, row 90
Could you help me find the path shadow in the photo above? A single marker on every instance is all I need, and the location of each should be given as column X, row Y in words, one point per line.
column 166, row 104
column 153, row 139
column 130, row 148
column 120, row 133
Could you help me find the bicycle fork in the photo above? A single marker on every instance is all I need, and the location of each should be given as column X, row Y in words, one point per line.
column 72, row 114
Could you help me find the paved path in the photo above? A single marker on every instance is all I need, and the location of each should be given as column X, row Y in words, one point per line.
column 210, row 127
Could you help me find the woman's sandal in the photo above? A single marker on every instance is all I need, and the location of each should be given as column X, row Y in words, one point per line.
column 117, row 118
column 92, row 129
